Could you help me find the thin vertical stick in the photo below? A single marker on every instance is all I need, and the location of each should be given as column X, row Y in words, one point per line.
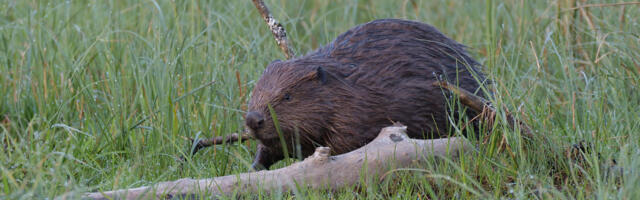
column 281, row 38
column 276, row 28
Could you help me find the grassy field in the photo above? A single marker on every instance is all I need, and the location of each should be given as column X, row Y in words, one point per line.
column 99, row 95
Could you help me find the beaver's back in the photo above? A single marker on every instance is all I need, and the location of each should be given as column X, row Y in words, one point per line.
column 401, row 59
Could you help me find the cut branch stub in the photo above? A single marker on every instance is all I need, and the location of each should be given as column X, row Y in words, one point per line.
column 276, row 29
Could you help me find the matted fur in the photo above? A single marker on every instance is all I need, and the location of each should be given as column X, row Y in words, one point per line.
column 342, row 94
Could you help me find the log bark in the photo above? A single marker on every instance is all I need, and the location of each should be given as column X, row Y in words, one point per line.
column 276, row 29
column 392, row 149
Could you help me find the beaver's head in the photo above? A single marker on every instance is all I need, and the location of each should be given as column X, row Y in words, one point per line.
column 290, row 106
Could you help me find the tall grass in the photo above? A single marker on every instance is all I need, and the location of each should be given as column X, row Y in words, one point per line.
column 98, row 95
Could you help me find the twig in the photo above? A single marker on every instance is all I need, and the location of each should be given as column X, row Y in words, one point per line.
column 276, row 28
column 280, row 36
column 602, row 5
column 234, row 137
column 481, row 105
column 587, row 17
column 488, row 113
column 621, row 19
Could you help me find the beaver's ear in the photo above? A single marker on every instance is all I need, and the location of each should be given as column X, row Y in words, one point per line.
column 322, row 75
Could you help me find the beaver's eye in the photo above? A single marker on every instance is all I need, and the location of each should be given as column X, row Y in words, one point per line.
column 287, row 97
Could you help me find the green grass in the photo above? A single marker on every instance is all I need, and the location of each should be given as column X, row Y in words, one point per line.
column 98, row 95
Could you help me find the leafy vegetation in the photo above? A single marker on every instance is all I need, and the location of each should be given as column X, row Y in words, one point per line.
column 99, row 95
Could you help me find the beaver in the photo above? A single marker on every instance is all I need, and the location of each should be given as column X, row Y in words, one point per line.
column 341, row 95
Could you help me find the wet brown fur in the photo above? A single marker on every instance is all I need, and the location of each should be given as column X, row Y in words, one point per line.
column 342, row 94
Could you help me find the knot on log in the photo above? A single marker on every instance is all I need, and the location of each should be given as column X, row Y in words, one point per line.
column 395, row 138
column 321, row 155
column 396, row 133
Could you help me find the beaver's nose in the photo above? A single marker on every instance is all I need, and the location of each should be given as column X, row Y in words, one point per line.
column 254, row 120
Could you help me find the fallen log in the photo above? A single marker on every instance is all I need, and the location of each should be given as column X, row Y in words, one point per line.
column 392, row 149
